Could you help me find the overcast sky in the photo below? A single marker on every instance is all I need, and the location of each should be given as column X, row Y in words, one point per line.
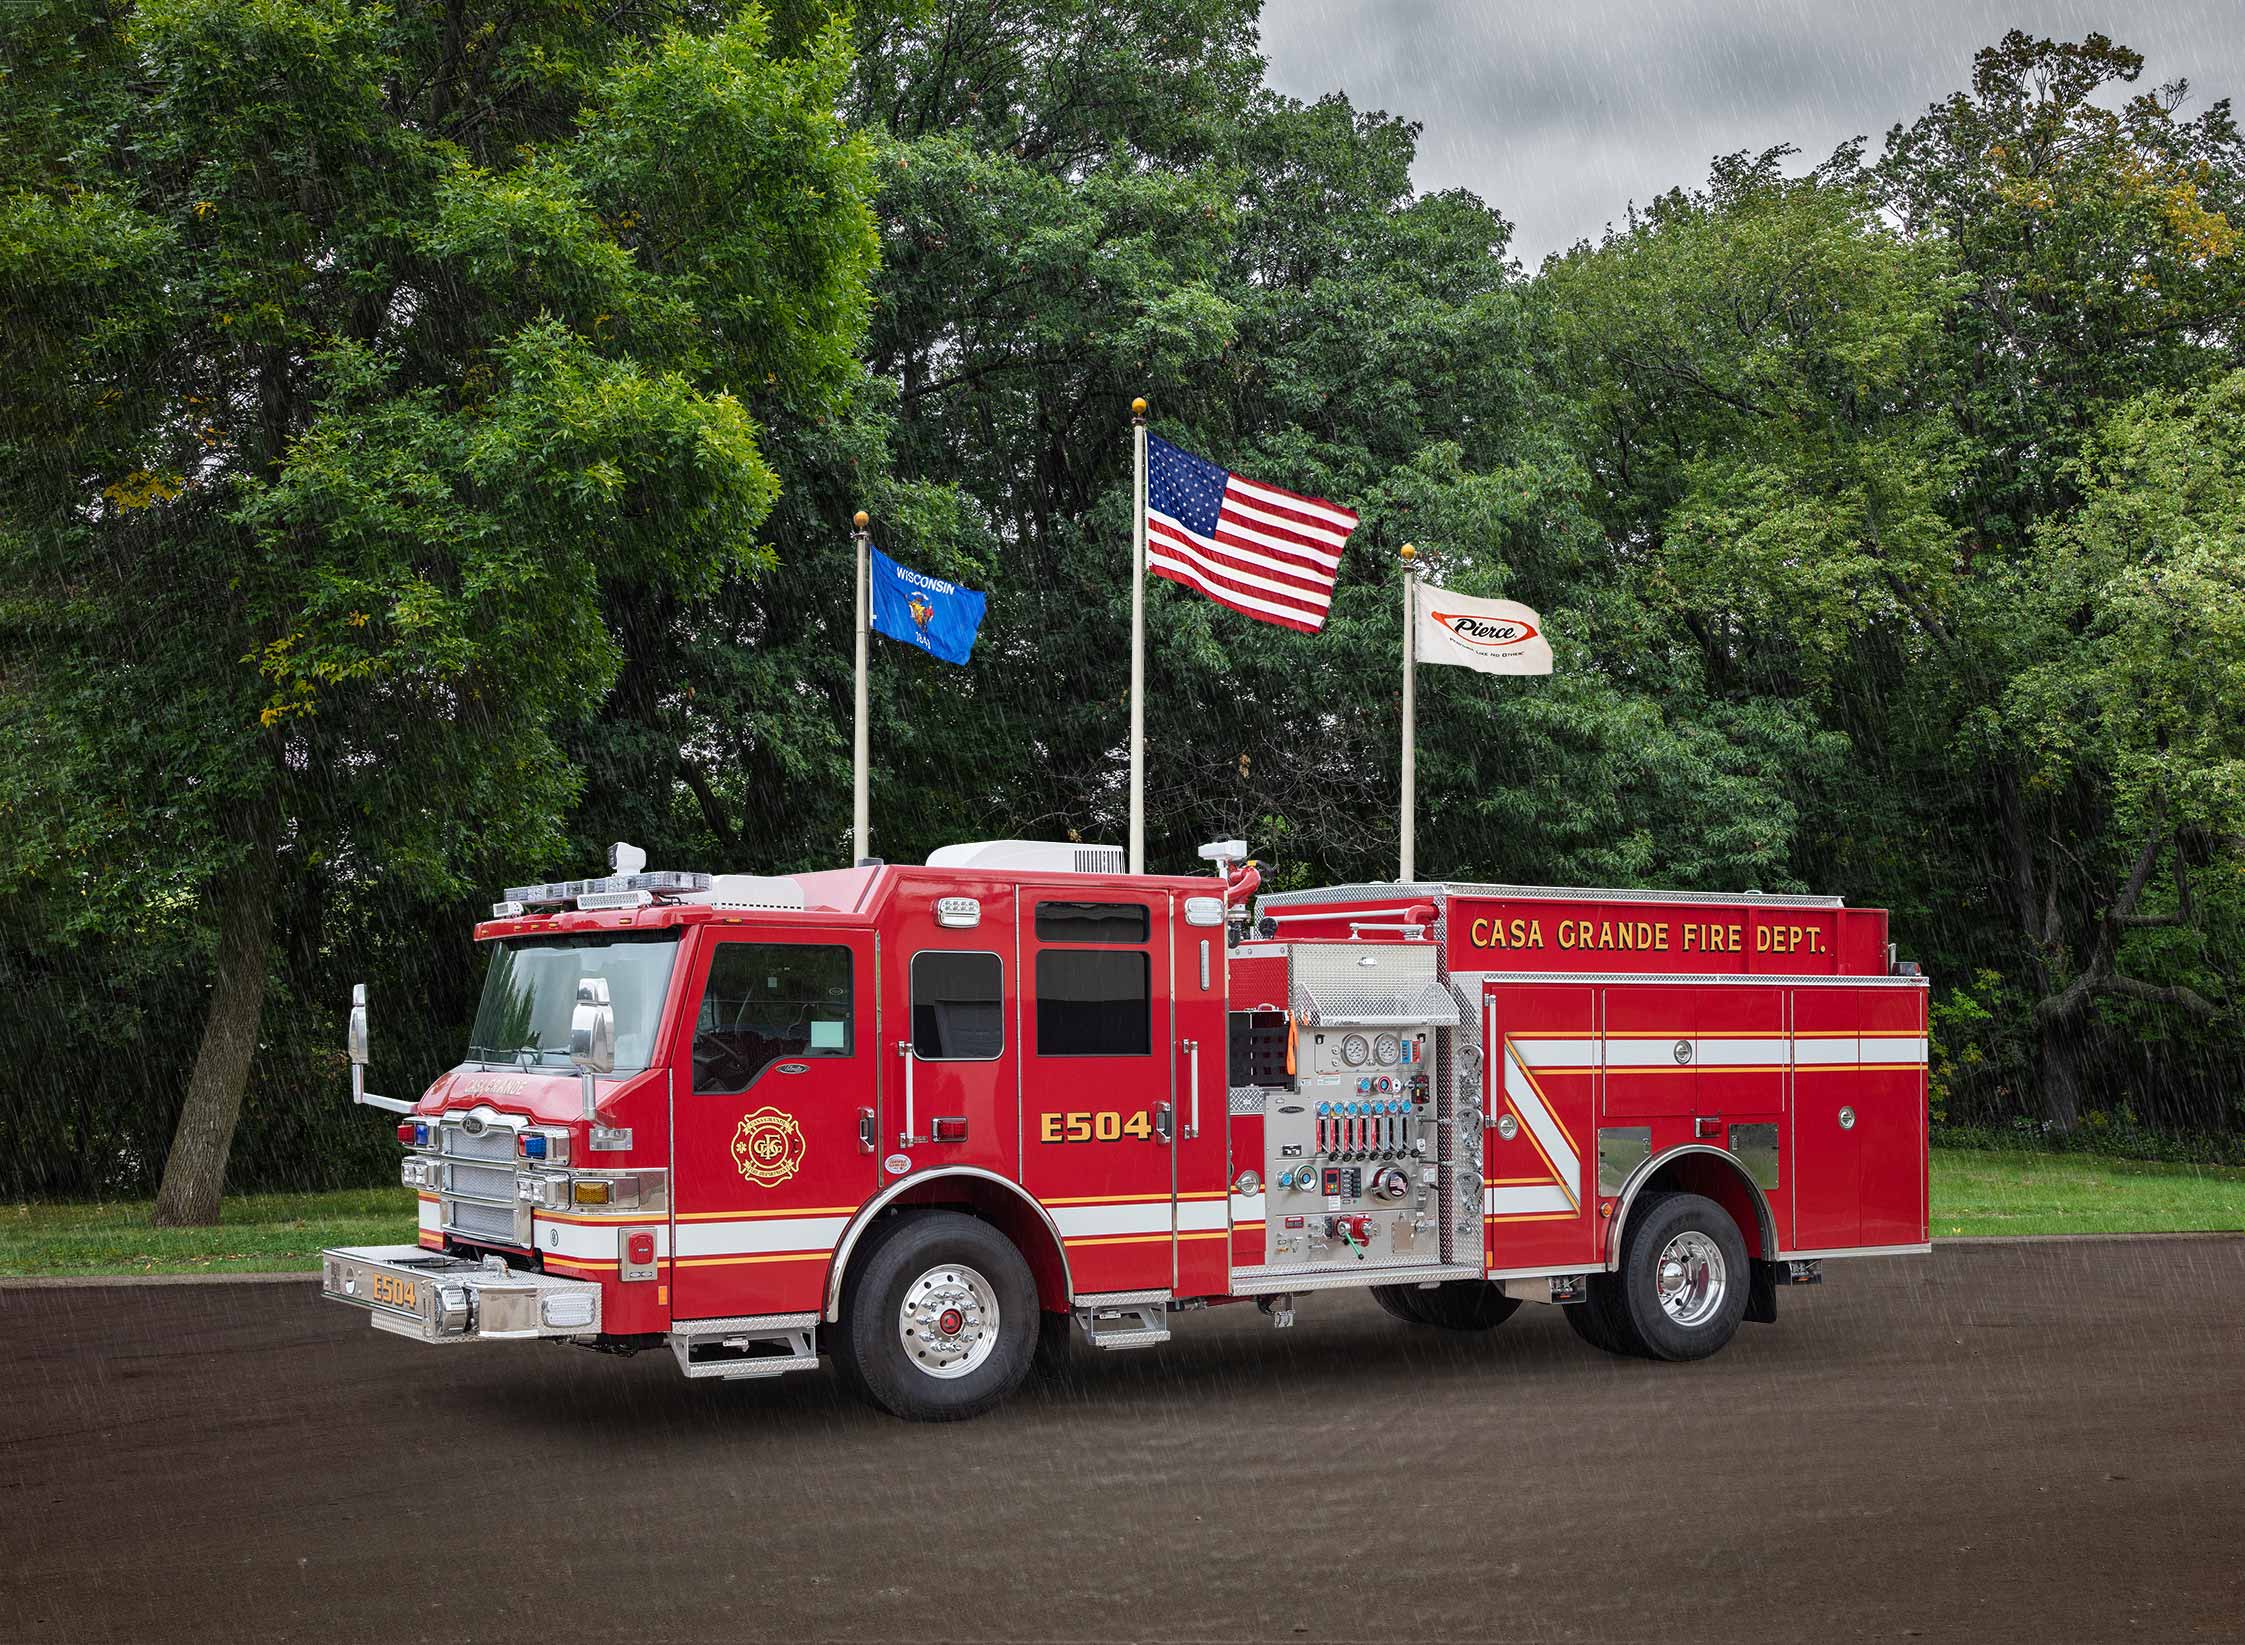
column 1560, row 112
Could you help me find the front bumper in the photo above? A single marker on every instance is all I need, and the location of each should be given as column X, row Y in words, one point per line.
column 432, row 1297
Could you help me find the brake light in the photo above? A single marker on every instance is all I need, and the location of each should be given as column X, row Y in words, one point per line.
column 405, row 1131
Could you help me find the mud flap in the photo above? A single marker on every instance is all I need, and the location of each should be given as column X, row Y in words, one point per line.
column 1761, row 1295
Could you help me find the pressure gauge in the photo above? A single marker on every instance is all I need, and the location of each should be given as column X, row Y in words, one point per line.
column 1386, row 1049
column 1354, row 1050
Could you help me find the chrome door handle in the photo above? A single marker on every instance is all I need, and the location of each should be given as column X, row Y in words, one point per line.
column 908, row 1139
column 1192, row 1085
column 865, row 1140
column 1162, row 1121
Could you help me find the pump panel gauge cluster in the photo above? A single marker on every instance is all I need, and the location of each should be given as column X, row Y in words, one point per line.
column 1351, row 1168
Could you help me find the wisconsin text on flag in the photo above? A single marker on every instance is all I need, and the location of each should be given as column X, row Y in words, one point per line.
column 1259, row 549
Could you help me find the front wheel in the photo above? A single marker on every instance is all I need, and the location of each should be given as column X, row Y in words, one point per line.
column 1682, row 1286
column 940, row 1321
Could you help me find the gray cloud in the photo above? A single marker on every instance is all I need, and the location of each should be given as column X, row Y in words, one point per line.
column 1559, row 115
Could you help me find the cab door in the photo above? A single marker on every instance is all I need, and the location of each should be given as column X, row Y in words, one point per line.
column 1099, row 1087
column 771, row 1116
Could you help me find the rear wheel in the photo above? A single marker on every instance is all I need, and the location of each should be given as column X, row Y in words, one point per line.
column 1681, row 1288
column 940, row 1320
column 1596, row 1319
column 1395, row 1302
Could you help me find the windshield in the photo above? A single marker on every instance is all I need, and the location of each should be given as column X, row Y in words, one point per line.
column 531, row 990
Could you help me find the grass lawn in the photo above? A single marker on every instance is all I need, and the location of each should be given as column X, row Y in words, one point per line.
column 1977, row 1193
column 256, row 1234
column 1974, row 1193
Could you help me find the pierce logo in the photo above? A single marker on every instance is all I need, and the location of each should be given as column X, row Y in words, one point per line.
column 768, row 1148
column 1486, row 633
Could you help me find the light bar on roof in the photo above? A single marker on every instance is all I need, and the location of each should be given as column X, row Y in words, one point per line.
column 669, row 882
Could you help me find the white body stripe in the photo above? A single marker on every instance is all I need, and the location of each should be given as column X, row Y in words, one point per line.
column 1516, row 1202
column 1884, row 1049
column 1540, row 1122
column 1637, row 1053
column 1194, row 1215
column 1247, row 1207
column 1557, row 1053
column 1747, row 1053
column 587, row 1242
column 431, row 1214
column 756, row 1236
column 1146, row 1217
column 1819, row 1050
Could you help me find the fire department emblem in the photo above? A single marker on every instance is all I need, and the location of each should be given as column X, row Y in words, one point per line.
column 768, row 1147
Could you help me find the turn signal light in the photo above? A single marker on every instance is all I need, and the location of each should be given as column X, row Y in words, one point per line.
column 591, row 1193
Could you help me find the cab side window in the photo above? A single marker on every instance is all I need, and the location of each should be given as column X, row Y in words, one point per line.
column 1096, row 1000
column 766, row 1002
column 958, row 1007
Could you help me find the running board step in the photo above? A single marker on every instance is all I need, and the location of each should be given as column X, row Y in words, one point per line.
column 1124, row 1319
column 748, row 1345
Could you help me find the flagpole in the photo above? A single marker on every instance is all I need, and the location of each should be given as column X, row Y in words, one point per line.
column 859, row 820
column 1138, row 637
column 1410, row 818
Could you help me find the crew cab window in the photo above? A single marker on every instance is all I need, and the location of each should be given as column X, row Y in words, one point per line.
column 1094, row 1003
column 1113, row 922
column 958, row 1007
column 769, row 1001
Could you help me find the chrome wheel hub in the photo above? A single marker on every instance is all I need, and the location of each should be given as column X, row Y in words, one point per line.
column 949, row 1321
column 1692, row 1278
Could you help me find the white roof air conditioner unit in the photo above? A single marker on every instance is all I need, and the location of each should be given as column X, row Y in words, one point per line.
column 754, row 891
column 1031, row 856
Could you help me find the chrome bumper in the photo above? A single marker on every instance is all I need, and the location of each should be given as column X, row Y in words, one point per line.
column 432, row 1297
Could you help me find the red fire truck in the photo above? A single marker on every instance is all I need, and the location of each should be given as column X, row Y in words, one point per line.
column 930, row 1120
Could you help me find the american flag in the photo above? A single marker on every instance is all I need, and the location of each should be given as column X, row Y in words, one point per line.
column 1270, row 553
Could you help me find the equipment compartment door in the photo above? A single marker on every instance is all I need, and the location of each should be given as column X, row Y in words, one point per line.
column 1651, row 1052
column 1541, row 1087
column 1100, row 1080
column 770, row 1094
column 1825, row 1152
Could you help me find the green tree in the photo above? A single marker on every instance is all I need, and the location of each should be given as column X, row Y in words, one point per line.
column 364, row 358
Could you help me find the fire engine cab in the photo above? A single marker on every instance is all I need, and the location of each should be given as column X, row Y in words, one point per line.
column 929, row 1121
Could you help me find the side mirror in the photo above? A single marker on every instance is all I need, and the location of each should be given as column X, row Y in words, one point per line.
column 592, row 1028
column 355, row 1044
column 357, row 1036
column 592, row 1038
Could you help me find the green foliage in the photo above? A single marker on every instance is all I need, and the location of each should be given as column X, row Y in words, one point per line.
column 430, row 432
column 371, row 359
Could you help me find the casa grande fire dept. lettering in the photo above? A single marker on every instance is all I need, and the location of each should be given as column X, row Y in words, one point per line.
column 1102, row 1125
column 768, row 1147
column 1645, row 936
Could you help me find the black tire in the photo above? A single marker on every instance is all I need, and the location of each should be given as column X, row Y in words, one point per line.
column 1395, row 1302
column 870, row 1349
column 1596, row 1318
column 1454, row 1305
column 1648, row 1327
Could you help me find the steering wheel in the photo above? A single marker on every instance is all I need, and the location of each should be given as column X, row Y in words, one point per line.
column 719, row 1066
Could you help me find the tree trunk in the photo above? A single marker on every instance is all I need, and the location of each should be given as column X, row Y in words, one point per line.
column 2058, row 1072
column 195, row 1169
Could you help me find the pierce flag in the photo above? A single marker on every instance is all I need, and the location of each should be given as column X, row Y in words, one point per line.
column 941, row 618
column 1492, row 636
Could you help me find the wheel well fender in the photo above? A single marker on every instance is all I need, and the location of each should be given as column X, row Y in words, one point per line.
column 1716, row 1174
column 1006, row 1206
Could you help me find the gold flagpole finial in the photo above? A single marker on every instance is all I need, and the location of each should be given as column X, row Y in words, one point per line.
column 1407, row 553
column 861, row 519
column 1138, row 409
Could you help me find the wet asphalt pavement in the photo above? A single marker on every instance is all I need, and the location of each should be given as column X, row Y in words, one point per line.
column 2041, row 1441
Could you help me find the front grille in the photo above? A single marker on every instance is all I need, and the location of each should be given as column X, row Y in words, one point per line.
column 482, row 1181
column 481, row 1221
column 495, row 1143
